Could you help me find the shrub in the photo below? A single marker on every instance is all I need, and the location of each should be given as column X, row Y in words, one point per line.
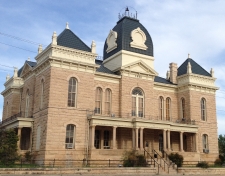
column 218, row 162
column 133, row 159
column 176, row 158
column 202, row 164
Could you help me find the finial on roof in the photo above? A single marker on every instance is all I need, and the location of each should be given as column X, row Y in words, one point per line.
column 127, row 13
column 212, row 72
column 39, row 48
column 28, row 59
column 189, row 70
column 168, row 75
column 15, row 72
column 188, row 55
column 7, row 77
column 67, row 25
column 93, row 47
column 54, row 38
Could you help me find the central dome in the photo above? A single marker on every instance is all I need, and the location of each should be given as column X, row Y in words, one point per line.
column 123, row 29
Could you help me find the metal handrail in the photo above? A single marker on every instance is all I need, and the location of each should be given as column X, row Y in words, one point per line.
column 161, row 158
column 152, row 158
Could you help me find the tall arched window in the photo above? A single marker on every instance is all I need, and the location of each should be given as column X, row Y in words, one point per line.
column 72, row 92
column 42, row 93
column 27, row 104
column 183, row 113
column 137, row 103
column 203, row 109
column 108, row 99
column 70, row 134
column 161, row 107
column 205, row 143
column 98, row 101
column 168, row 109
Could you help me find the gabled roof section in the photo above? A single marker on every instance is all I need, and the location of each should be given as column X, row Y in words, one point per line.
column 140, row 66
column 195, row 67
column 68, row 39
column 102, row 68
column 29, row 64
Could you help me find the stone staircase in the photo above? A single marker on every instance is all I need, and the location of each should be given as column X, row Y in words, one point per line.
column 162, row 164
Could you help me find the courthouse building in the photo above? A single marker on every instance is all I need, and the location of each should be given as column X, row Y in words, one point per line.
column 70, row 104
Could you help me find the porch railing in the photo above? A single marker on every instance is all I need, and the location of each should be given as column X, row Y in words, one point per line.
column 20, row 114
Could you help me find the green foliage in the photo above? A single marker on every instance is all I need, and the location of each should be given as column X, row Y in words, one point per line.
column 218, row 162
column 176, row 158
column 29, row 156
column 203, row 164
column 8, row 147
column 221, row 143
column 133, row 159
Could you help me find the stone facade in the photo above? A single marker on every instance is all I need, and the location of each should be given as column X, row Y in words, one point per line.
column 156, row 118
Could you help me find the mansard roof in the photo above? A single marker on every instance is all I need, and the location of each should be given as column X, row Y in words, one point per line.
column 124, row 28
column 195, row 67
column 68, row 39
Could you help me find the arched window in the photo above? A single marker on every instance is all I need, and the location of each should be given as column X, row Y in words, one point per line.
column 137, row 103
column 72, row 92
column 161, row 107
column 70, row 133
column 27, row 104
column 42, row 93
column 183, row 113
column 108, row 99
column 98, row 101
column 203, row 109
column 205, row 143
column 168, row 109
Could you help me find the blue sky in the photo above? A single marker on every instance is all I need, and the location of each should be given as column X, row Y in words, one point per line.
column 176, row 27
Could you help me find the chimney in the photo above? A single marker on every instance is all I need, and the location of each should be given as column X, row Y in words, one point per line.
column 173, row 73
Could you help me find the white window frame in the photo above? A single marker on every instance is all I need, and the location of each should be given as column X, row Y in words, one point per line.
column 71, row 92
column 71, row 133
column 27, row 104
column 137, row 95
column 203, row 109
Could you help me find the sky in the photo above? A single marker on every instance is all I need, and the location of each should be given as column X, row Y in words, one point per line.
column 177, row 27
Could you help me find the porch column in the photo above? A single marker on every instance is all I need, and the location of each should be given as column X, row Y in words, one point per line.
column 168, row 140
column 114, row 137
column 136, row 141
column 19, row 136
column 196, row 142
column 93, row 137
column 164, row 140
column 181, row 141
column 133, row 138
column 141, row 138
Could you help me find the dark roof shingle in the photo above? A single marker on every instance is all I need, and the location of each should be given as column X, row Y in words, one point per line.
column 102, row 68
column 195, row 67
column 68, row 39
column 162, row 80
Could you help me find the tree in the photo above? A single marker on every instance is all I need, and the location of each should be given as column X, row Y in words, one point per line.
column 221, row 141
column 8, row 146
